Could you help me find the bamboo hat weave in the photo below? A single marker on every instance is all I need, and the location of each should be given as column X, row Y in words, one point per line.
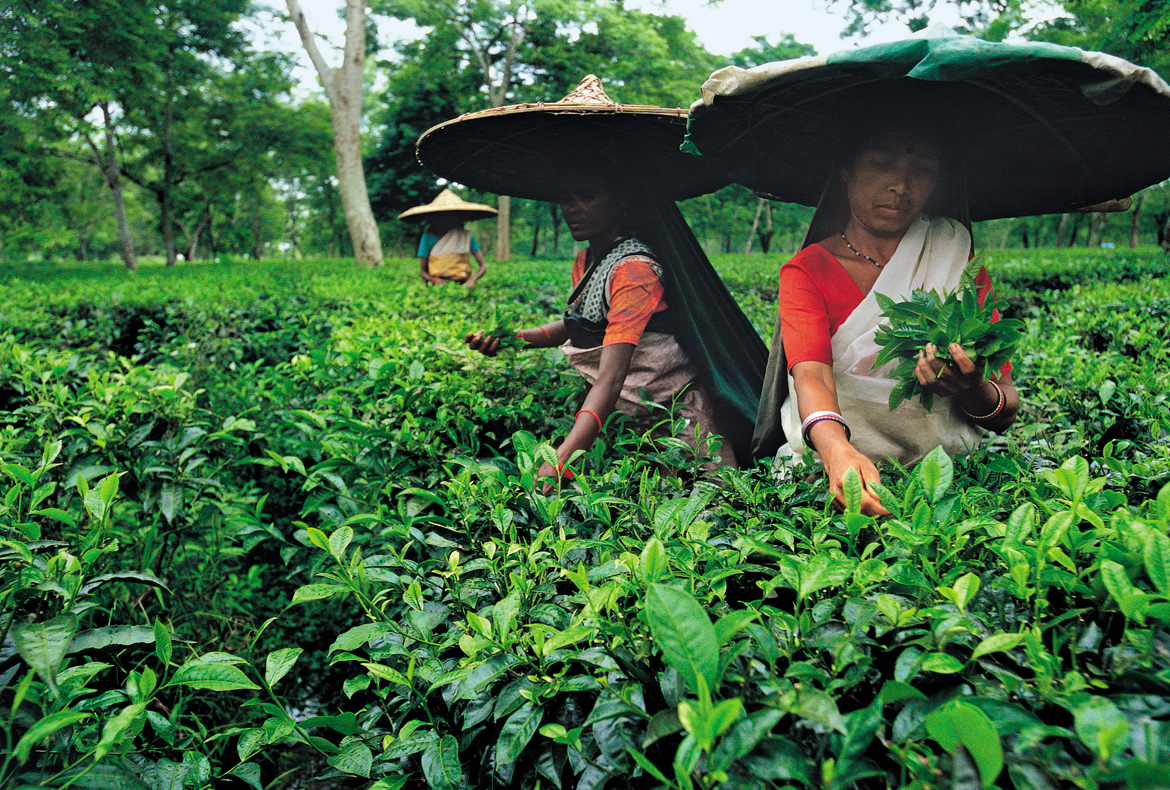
column 449, row 203
column 524, row 150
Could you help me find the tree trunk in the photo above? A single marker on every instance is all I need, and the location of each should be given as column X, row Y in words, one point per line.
column 107, row 164
column 193, row 240
column 1076, row 229
column 1062, row 231
column 536, row 214
column 503, row 228
column 747, row 245
column 1164, row 236
column 168, row 179
column 769, row 229
column 1096, row 225
column 555, row 213
column 343, row 87
column 1135, row 219
column 1007, row 232
column 257, row 242
column 497, row 94
column 168, row 223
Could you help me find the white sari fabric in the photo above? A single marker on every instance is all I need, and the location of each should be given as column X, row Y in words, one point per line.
column 931, row 256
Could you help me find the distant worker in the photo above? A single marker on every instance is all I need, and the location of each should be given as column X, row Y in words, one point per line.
column 446, row 247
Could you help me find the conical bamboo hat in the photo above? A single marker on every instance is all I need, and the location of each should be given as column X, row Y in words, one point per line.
column 524, row 149
column 448, row 202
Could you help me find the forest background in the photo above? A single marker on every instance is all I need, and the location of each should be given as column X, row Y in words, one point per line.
column 164, row 130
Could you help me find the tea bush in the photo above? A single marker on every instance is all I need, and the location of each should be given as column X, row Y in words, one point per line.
column 272, row 523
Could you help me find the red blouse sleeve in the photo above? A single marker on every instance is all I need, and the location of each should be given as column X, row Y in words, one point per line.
column 983, row 288
column 816, row 296
column 635, row 294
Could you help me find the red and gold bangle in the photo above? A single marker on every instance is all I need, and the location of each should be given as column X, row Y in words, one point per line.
column 600, row 425
column 999, row 404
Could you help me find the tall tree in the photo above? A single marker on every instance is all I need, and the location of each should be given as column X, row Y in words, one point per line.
column 141, row 83
column 766, row 52
column 68, row 61
column 418, row 96
column 343, row 88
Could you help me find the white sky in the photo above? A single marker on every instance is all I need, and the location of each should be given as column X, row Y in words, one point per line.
column 723, row 28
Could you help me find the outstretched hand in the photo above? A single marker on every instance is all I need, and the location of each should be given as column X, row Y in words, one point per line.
column 943, row 379
column 840, row 460
column 484, row 344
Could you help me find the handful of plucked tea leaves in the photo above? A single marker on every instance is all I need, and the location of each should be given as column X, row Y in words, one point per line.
column 509, row 337
column 955, row 317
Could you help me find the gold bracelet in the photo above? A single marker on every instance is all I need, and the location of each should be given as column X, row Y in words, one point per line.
column 999, row 404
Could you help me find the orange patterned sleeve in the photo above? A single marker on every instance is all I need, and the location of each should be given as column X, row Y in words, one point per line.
column 635, row 294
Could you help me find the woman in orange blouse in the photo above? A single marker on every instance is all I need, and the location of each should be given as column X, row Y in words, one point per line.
column 614, row 330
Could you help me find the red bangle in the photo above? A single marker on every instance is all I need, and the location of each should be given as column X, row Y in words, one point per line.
column 600, row 424
column 563, row 471
column 546, row 334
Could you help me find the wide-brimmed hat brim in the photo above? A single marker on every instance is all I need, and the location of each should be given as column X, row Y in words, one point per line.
column 1036, row 128
column 525, row 150
column 450, row 206
column 455, row 215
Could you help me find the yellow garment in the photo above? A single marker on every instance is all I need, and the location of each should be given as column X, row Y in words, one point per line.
column 450, row 257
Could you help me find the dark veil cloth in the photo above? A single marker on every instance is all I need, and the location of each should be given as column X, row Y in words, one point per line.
column 707, row 322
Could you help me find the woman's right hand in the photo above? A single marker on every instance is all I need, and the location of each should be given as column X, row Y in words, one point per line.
column 484, row 344
column 839, row 460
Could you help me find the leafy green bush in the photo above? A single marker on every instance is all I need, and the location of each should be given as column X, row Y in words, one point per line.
column 299, row 478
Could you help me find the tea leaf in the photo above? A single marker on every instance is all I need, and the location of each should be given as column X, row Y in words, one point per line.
column 44, row 645
column 1156, row 553
column 42, row 729
column 958, row 724
column 685, row 635
column 440, row 764
column 279, row 662
column 997, row 643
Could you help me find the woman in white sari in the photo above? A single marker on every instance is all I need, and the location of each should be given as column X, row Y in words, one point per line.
column 873, row 235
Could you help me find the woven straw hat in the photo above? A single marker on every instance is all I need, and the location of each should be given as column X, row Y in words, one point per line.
column 447, row 203
column 1037, row 128
column 524, row 150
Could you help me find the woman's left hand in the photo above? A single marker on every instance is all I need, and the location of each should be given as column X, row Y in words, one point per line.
column 946, row 379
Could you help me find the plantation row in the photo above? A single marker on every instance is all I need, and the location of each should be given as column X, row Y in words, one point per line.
column 273, row 525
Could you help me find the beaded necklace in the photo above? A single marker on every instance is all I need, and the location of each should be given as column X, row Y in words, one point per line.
column 858, row 253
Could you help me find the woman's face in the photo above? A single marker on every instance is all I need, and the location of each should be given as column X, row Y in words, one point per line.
column 593, row 210
column 890, row 180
